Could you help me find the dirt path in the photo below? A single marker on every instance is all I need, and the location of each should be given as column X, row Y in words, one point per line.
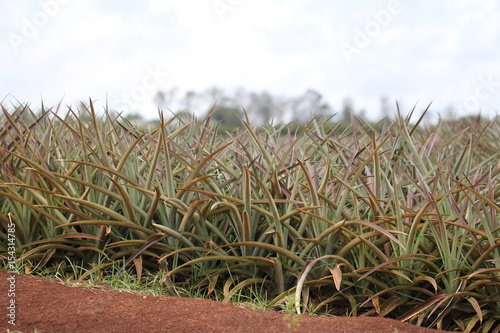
column 52, row 307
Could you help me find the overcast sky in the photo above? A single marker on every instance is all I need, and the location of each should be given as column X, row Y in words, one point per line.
column 414, row 52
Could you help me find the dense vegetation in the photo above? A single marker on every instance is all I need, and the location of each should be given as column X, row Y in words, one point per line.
column 397, row 219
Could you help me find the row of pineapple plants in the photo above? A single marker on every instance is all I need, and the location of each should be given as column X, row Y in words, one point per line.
column 398, row 219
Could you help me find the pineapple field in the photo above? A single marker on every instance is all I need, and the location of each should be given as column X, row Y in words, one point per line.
column 395, row 219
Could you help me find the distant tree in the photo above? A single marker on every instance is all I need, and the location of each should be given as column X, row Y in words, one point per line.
column 189, row 100
column 241, row 98
column 263, row 106
column 159, row 98
column 227, row 116
column 165, row 99
column 309, row 104
column 134, row 117
column 385, row 107
column 214, row 95
column 347, row 109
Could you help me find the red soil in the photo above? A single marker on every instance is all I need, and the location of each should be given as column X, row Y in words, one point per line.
column 52, row 307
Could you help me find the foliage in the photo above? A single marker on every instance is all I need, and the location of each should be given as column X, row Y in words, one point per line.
column 392, row 219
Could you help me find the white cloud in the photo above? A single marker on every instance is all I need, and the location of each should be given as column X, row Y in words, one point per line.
column 158, row 7
column 429, row 50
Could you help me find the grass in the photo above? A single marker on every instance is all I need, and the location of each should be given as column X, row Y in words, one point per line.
column 396, row 219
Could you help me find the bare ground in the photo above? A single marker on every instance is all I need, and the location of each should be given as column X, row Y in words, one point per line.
column 49, row 306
